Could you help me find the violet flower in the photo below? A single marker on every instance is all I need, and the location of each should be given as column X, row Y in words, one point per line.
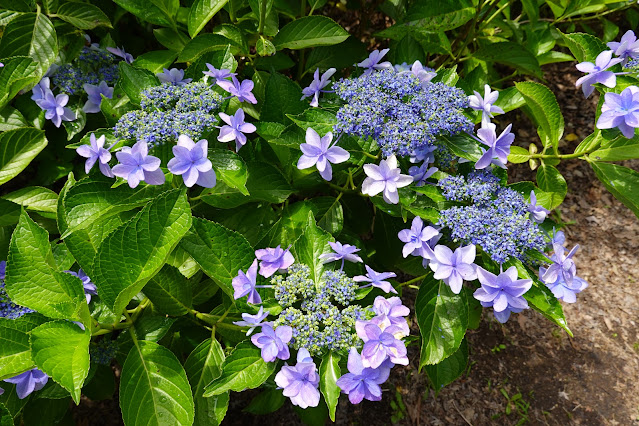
column 235, row 128
column 361, row 382
column 596, row 73
column 372, row 62
column 558, row 237
column 418, row 239
column 89, row 287
column 424, row 74
column 485, row 104
column 385, row 178
column 55, row 107
column 504, row 292
column 380, row 345
column 621, row 111
column 391, row 312
column 341, row 252
column 563, row 291
column 242, row 91
column 498, row 147
column 319, row 152
column 40, row 89
column 249, row 320
column 192, row 163
column 28, row 382
column 537, row 212
column 273, row 260
column 119, row 52
column 423, row 153
column 377, row 279
column 218, row 75
column 244, row 284
column 563, row 266
column 136, row 165
column 95, row 93
column 421, row 173
column 317, row 85
column 273, row 343
column 454, row 267
column 96, row 151
column 300, row 383
column 173, row 76
column 627, row 48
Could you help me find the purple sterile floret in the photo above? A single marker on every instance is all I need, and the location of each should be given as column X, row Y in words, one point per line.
column 424, row 74
column 96, row 152
column 235, row 128
column 300, row 382
column 89, row 287
column 424, row 153
column 55, row 107
column 498, row 147
column 220, row 74
column 361, row 382
column 537, row 212
column 504, row 292
column 372, row 62
column 242, row 91
column 627, row 48
column 136, row 165
column 381, row 345
column 563, row 266
column 596, row 73
column 95, row 93
column 317, row 85
column 385, row 178
column 40, row 89
column 391, row 312
column 376, row 279
column 251, row 321
column 485, row 104
column 119, row 52
column 192, row 163
column 561, row 289
column 319, row 152
column 28, row 382
column 273, row 260
column 421, row 173
column 173, row 76
column 273, row 343
column 454, row 267
column 621, row 111
column 244, row 284
column 341, row 252
column 418, row 239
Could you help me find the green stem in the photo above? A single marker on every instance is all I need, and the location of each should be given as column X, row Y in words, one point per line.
column 414, row 280
column 263, row 3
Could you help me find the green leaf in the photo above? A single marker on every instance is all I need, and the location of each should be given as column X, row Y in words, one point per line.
column 84, row 16
column 329, row 373
column 342, row 55
column 9, row 215
column 202, row 366
column 61, row 350
column 202, row 44
column 518, row 155
column 310, row 31
column 618, row 150
column 156, row 60
column 621, row 181
column 136, row 250
column 448, row 370
column 283, row 97
column 463, row 145
column 17, row 149
column 154, row 389
column 442, row 317
column 17, row 73
column 33, row 279
column 35, row 198
column 201, row 13
column 544, row 111
column 11, row 118
column 209, row 244
column 584, row 47
column 329, row 214
column 171, row 39
column 230, row 168
column 169, row 291
column 269, row 401
column 511, row 54
column 320, row 120
column 408, row 50
column 439, row 16
column 310, row 246
column 243, row 369
column 134, row 80
column 15, row 350
column 265, row 47
column 33, row 35
column 147, row 11
column 551, row 181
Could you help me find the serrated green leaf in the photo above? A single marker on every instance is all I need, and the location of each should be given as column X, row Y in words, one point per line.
column 619, row 150
column 17, row 73
column 448, row 370
column 11, row 118
column 202, row 44
column 201, row 13
column 543, row 107
column 518, row 155
column 342, row 55
column 82, row 15
column 134, row 80
column 9, row 213
column 171, row 39
column 320, row 120
column 243, row 369
column 512, row 54
column 35, row 198
column 169, row 291
column 155, row 61
column 310, row 31
column 283, row 97
column 15, row 350
column 584, row 47
column 17, row 149
column 621, row 181
column 147, row 11
column 329, row 373
column 310, row 246
column 269, row 401
column 154, row 389
column 463, row 145
column 230, row 168
column 551, row 181
column 329, row 214
column 136, row 250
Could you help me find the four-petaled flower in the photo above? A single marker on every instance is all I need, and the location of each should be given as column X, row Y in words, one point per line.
column 537, row 212
column 136, row 165
column 498, row 147
column 504, row 292
column 317, row 85
column 119, row 51
column 244, row 283
column 273, row 260
column 485, row 104
column 242, row 91
column 377, row 279
column 235, row 128
column 341, row 252
column 421, row 173
column 192, row 163
column 596, row 73
column 361, row 382
column 385, row 178
column 273, row 343
column 454, row 267
column 248, row 320
column 96, row 151
column 318, row 152
column 372, row 62
column 621, row 111
column 627, row 48
column 380, row 345
column 563, row 265
column 418, row 239
column 95, row 93
column 173, row 76
column 89, row 288
column 300, row 382
column 55, row 107
column 28, row 382
column 563, row 291
column 218, row 75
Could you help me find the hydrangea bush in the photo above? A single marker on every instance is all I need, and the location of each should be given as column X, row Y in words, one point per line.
column 246, row 206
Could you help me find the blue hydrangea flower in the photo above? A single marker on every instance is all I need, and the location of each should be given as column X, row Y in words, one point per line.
column 96, row 152
column 192, row 163
column 424, row 153
column 55, row 107
column 92, row 66
column 418, row 239
column 627, row 48
column 563, row 266
column 89, row 287
column 485, row 104
column 136, row 165
column 40, row 89
column 391, row 312
column 377, row 279
column 319, row 152
column 218, row 75
column 248, row 320
column 235, row 128
column 244, row 284
column 424, row 74
column 380, row 345
column 538, row 213
column 300, row 383
column 28, row 382
column 341, row 252
column 385, row 178
column 361, row 382
column 273, row 343
column 274, row 260
column 561, row 289
column 173, row 76
column 119, row 52
column 317, row 85
column 242, row 91
column 454, row 267
column 504, row 292
column 596, row 73
column 558, row 237
column 95, row 93
column 621, row 111
column 372, row 62
column 421, row 173
column 498, row 147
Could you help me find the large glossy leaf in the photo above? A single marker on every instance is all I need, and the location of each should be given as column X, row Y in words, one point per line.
column 83, row 15
column 201, row 13
column 450, row 369
column 584, row 47
column 18, row 72
column 283, row 97
column 553, row 183
column 230, row 168
column 137, row 250
column 15, row 350
column 134, row 80
column 35, row 198
column 11, row 118
column 202, row 44
column 17, row 149
column 342, row 55
column 154, row 389
column 310, row 246
column 512, row 54
column 544, row 109
column 329, row 373
column 310, row 31
column 622, row 181
column 61, row 350
column 438, row 16
column 169, row 291
column 156, row 60
column 147, row 11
